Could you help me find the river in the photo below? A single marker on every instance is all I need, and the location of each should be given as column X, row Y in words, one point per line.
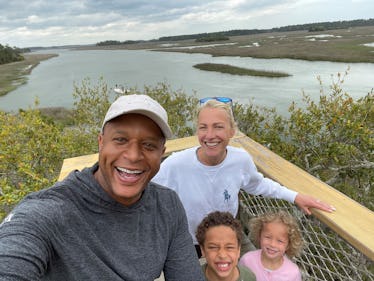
column 52, row 80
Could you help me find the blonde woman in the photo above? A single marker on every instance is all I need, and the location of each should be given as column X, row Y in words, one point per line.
column 209, row 177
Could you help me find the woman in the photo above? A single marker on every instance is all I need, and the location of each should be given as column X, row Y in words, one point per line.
column 209, row 177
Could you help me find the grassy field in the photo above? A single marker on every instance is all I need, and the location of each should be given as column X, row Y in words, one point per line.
column 343, row 45
column 15, row 74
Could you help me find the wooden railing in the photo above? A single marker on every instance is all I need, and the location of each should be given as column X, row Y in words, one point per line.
column 351, row 221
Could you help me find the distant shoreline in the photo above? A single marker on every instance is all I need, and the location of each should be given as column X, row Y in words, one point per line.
column 12, row 75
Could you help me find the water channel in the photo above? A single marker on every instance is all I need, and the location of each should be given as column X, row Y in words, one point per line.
column 52, row 80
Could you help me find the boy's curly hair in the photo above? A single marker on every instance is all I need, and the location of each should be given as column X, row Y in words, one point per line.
column 294, row 235
column 218, row 218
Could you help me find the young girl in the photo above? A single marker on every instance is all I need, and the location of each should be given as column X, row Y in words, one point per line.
column 279, row 238
column 219, row 235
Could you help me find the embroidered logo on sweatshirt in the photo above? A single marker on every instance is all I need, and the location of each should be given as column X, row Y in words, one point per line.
column 226, row 195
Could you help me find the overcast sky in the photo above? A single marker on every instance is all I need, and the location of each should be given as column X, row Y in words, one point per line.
column 28, row 23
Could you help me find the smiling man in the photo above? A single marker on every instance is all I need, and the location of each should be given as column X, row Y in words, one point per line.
column 106, row 222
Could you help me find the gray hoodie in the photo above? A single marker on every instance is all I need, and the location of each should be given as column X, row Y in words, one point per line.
column 76, row 231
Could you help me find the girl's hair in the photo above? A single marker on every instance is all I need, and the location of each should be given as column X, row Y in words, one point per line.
column 217, row 104
column 218, row 218
column 295, row 244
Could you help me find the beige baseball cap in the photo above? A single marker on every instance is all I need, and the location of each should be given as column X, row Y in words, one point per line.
column 141, row 104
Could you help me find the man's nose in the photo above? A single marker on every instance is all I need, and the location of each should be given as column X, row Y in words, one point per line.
column 133, row 152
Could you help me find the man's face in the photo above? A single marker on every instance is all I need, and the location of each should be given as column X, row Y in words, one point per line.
column 130, row 151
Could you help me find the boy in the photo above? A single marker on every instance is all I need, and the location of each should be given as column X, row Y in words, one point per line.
column 219, row 235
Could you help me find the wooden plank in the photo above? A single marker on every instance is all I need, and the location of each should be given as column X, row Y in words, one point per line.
column 351, row 220
column 77, row 163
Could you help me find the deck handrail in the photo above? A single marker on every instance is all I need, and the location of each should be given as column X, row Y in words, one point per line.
column 351, row 220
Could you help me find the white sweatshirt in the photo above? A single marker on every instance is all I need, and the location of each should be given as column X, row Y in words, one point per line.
column 203, row 189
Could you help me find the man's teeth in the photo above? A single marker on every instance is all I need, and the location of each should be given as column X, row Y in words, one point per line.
column 129, row 171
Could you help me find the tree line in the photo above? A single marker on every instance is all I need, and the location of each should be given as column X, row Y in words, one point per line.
column 320, row 26
column 224, row 35
column 9, row 54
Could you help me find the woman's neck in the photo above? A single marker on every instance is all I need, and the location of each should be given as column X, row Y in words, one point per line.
column 210, row 161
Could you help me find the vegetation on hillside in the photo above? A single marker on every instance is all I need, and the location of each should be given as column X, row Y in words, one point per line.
column 225, row 35
column 212, row 38
column 331, row 139
column 9, row 54
column 115, row 42
column 319, row 26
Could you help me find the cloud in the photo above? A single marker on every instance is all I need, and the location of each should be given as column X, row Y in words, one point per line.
column 50, row 22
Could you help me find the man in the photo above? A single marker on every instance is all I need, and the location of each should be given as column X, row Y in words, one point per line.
column 107, row 222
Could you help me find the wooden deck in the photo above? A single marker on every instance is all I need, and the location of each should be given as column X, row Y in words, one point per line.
column 351, row 221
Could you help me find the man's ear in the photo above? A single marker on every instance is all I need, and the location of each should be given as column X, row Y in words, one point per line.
column 100, row 141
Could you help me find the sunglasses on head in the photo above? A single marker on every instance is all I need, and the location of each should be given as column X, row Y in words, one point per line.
column 220, row 99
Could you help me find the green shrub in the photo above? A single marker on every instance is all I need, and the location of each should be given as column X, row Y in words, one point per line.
column 332, row 139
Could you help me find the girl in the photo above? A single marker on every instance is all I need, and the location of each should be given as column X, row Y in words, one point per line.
column 278, row 237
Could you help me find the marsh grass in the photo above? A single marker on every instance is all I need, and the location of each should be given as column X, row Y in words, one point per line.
column 343, row 45
column 225, row 68
column 15, row 74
